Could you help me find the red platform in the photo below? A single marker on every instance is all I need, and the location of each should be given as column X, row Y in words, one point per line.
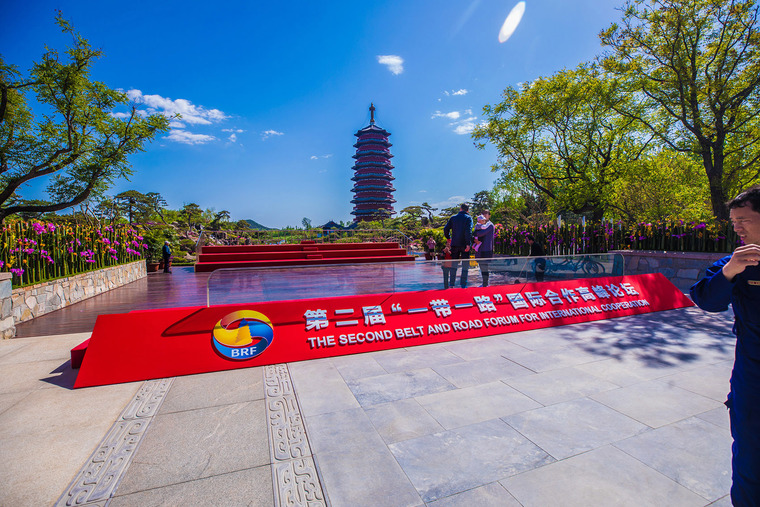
column 163, row 343
column 302, row 254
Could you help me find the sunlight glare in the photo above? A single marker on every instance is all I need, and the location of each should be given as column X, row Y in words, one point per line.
column 510, row 24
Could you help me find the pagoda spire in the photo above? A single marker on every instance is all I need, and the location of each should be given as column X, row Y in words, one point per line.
column 373, row 187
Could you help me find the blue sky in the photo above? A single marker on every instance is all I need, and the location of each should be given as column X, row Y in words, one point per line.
column 271, row 93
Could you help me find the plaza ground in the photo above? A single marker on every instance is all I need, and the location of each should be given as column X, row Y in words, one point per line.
column 626, row 411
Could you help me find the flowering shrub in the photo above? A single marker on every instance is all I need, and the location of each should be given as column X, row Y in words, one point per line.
column 35, row 251
column 602, row 237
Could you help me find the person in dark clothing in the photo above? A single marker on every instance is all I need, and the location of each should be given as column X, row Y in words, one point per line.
column 166, row 253
column 484, row 232
column 735, row 279
column 458, row 232
column 536, row 250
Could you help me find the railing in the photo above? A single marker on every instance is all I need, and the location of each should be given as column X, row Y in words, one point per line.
column 255, row 285
column 570, row 238
column 278, row 236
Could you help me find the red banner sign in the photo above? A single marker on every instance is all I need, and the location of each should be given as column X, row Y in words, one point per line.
column 166, row 343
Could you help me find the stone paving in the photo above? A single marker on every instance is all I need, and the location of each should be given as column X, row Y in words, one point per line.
column 626, row 412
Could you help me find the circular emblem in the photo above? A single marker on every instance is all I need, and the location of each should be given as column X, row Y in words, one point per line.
column 242, row 335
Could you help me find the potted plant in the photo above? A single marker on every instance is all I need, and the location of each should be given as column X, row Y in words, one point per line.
column 152, row 254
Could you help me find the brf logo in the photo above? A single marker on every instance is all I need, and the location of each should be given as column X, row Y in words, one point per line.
column 242, row 335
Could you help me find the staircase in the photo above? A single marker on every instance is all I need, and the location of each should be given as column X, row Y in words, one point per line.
column 301, row 254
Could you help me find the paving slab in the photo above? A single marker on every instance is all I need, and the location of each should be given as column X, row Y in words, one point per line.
column 245, row 487
column 192, row 392
column 486, row 347
column 458, row 460
column 711, row 381
column 556, row 386
column 402, row 420
column 717, row 416
column 696, row 456
column 415, row 358
column 398, row 386
column 44, row 424
column 321, row 387
column 462, row 407
column 604, row 476
column 195, row 444
column 490, row 495
column 574, row 427
column 356, row 366
column 656, row 403
column 481, row 371
column 554, row 359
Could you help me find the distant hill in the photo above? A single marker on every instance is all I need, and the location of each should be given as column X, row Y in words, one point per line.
column 255, row 225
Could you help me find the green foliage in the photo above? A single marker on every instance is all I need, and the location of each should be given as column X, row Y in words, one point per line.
column 600, row 237
column 79, row 147
column 654, row 190
column 560, row 137
column 437, row 235
column 693, row 68
column 154, row 238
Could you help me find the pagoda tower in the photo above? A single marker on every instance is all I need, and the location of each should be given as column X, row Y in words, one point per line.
column 373, row 190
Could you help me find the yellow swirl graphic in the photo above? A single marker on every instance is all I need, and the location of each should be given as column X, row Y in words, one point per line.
column 240, row 336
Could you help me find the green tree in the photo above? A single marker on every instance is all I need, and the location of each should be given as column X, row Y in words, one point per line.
column 666, row 185
column 306, row 223
column 191, row 216
column 560, row 137
column 694, row 68
column 221, row 218
column 78, row 147
column 481, row 201
column 427, row 208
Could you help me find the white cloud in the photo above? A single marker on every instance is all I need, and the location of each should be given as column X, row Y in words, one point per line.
column 191, row 114
column 465, row 127
column 269, row 133
column 185, row 137
column 232, row 138
column 461, row 91
column 177, row 124
column 237, row 131
column 395, row 63
column 453, row 115
column 461, row 126
column 317, row 157
column 454, row 200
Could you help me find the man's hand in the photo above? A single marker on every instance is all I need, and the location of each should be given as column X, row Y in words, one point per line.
column 467, row 248
column 747, row 255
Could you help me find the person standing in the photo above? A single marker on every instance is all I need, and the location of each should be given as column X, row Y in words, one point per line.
column 539, row 264
column 166, row 253
column 431, row 248
column 484, row 232
column 735, row 279
column 458, row 232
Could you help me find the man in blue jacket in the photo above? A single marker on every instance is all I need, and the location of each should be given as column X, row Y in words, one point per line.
column 735, row 279
column 458, row 232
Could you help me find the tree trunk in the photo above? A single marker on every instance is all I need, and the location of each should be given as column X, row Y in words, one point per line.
column 713, row 162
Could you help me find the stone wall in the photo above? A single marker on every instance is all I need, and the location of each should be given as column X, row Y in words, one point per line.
column 25, row 303
column 683, row 269
column 7, row 324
